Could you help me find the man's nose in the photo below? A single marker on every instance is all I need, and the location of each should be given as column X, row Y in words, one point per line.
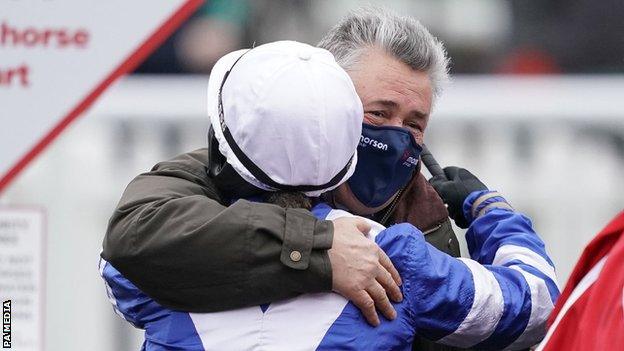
column 394, row 122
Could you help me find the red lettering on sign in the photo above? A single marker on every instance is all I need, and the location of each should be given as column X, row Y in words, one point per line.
column 15, row 75
column 30, row 37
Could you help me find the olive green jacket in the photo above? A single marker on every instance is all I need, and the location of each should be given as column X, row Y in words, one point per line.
column 181, row 242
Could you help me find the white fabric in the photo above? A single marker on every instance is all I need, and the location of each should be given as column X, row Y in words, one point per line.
column 487, row 309
column 296, row 324
column 286, row 104
column 376, row 228
column 507, row 253
column 230, row 330
column 301, row 323
column 541, row 303
column 541, row 306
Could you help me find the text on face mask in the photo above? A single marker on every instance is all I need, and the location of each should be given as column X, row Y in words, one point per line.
column 372, row 142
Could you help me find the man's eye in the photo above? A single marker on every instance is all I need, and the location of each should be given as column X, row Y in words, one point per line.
column 413, row 125
column 377, row 113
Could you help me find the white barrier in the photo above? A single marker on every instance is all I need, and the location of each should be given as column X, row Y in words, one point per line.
column 554, row 146
column 488, row 97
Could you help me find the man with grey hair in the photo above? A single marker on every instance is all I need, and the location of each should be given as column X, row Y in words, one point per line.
column 398, row 68
column 177, row 235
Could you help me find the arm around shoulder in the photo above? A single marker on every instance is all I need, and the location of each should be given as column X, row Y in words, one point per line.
column 171, row 237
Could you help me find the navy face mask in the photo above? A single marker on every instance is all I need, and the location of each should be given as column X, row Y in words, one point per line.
column 387, row 158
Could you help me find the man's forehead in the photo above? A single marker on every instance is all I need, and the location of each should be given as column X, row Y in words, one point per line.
column 404, row 81
column 400, row 94
column 411, row 87
column 384, row 80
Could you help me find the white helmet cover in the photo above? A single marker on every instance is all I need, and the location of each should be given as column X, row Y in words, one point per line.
column 291, row 116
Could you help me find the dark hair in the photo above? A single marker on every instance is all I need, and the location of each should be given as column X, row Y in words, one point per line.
column 288, row 199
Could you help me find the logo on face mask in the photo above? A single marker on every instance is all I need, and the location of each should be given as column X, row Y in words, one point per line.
column 410, row 162
column 372, row 142
column 408, row 159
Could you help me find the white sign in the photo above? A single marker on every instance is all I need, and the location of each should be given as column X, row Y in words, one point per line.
column 22, row 285
column 58, row 56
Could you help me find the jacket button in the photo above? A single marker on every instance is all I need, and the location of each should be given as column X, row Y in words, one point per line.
column 295, row 256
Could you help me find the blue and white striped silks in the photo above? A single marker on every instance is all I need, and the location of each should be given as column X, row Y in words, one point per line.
column 498, row 299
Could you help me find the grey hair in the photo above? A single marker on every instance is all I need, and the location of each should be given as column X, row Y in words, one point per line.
column 402, row 37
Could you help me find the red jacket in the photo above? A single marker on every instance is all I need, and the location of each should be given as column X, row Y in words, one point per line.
column 589, row 314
